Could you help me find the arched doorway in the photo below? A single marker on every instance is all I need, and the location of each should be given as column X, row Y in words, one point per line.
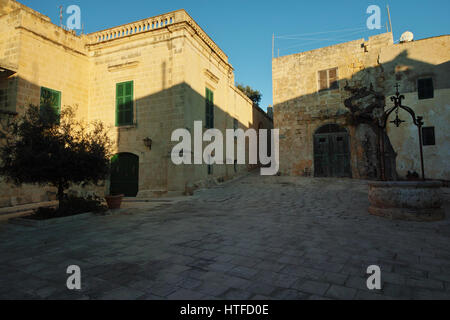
column 331, row 152
column 125, row 174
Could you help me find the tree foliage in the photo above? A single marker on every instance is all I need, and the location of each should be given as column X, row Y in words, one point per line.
column 43, row 147
column 254, row 95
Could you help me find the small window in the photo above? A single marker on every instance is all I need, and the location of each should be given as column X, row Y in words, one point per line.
column 328, row 79
column 428, row 138
column 51, row 98
column 209, row 109
column 124, row 104
column 235, row 124
column 210, row 169
column 425, row 88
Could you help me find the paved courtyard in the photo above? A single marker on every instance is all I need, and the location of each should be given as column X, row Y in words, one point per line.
column 255, row 238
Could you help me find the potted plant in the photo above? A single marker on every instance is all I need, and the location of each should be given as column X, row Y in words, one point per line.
column 114, row 201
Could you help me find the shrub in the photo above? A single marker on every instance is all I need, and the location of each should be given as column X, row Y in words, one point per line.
column 70, row 206
column 39, row 148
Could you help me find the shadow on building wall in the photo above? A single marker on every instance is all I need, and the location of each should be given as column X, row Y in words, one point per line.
column 178, row 107
column 156, row 116
column 357, row 106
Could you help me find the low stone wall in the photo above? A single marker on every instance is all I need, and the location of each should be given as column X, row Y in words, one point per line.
column 407, row 200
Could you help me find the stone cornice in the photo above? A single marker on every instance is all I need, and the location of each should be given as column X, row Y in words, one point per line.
column 51, row 40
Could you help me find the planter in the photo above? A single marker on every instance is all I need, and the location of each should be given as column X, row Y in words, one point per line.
column 114, row 202
column 407, row 200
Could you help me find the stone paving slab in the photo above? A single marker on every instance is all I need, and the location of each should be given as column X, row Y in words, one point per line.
column 253, row 238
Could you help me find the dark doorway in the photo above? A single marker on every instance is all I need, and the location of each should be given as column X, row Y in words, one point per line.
column 331, row 152
column 125, row 174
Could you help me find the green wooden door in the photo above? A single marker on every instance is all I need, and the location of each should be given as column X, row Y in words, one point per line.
column 331, row 152
column 125, row 174
column 340, row 156
column 322, row 166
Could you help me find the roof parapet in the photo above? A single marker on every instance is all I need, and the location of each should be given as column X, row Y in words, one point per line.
column 154, row 23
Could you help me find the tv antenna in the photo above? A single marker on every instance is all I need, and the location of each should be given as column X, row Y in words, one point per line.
column 61, row 16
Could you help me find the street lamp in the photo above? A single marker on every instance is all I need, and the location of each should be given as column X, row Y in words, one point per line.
column 148, row 143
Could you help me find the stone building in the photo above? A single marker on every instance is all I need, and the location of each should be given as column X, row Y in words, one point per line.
column 144, row 79
column 328, row 103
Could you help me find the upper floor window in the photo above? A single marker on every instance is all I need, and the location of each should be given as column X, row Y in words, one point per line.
column 235, row 124
column 209, row 109
column 425, row 88
column 328, row 79
column 124, row 104
column 51, row 98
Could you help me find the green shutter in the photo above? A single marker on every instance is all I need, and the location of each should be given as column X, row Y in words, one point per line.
column 211, row 105
column 57, row 105
column 209, row 109
column 124, row 104
column 51, row 98
column 206, row 108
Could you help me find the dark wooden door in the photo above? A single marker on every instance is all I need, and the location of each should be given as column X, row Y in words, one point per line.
column 322, row 166
column 340, row 155
column 331, row 155
column 125, row 174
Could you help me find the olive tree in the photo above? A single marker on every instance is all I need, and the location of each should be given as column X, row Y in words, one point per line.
column 44, row 147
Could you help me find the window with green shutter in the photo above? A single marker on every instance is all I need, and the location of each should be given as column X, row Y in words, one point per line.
column 51, row 98
column 124, row 104
column 209, row 109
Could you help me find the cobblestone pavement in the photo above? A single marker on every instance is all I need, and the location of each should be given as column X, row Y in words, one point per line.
column 255, row 238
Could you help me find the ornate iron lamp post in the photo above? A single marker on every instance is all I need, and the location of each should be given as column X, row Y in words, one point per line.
column 418, row 121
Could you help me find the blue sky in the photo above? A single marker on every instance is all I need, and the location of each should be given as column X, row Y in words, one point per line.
column 243, row 29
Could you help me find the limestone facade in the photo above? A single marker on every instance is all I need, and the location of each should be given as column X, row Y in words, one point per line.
column 171, row 63
column 355, row 80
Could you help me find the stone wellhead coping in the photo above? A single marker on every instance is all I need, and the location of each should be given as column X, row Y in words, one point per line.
column 153, row 23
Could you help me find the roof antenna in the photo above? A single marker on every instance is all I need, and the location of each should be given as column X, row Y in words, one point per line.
column 273, row 44
column 61, row 16
column 389, row 15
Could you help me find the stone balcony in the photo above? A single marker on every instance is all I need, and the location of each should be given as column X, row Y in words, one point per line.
column 150, row 24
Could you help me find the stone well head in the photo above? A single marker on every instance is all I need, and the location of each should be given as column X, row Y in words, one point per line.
column 407, row 200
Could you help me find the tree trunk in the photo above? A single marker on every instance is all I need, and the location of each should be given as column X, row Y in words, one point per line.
column 60, row 193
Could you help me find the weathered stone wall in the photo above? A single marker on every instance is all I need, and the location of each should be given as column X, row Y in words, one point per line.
column 373, row 67
column 170, row 66
column 209, row 70
column 153, row 63
column 300, row 109
column 404, row 64
column 42, row 55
